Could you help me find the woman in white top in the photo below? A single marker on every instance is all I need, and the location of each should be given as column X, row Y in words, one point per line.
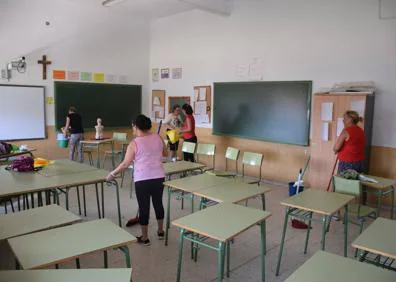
column 173, row 121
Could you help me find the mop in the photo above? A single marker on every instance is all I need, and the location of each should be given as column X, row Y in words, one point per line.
column 135, row 220
column 297, row 223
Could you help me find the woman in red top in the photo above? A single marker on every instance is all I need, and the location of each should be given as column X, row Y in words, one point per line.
column 188, row 130
column 350, row 144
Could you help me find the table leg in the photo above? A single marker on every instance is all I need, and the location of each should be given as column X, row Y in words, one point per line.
column 392, row 201
column 180, row 256
column 379, row 203
column 324, row 226
column 346, row 220
column 32, row 199
column 78, row 200
column 220, row 261
column 112, row 155
column 282, row 241
column 263, row 250
column 67, row 198
column 97, row 198
column 97, row 157
column 167, row 223
column 125, row 250
column 192, row 203
column 118, row 202
column 265, row 224
column 103, row 205
column 308, row 231
column 106, row 261
column 78, row 266
column 84, row 201
column 228, row 257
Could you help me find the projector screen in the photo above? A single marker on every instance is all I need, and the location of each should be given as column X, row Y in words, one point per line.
column 22, row 113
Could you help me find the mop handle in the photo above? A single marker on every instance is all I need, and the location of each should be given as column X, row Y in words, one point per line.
column 306, row 166
column 298, row 182
column 332, row 173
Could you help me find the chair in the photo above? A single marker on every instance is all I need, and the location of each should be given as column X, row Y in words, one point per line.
column 189, row 147
column 252, row 159
column 117, row 136
column 207, row 150
column 89, row 149
column 354, row 188
column 231, row 154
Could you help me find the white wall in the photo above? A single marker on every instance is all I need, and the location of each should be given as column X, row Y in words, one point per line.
column 115, row 49
column 320, row 40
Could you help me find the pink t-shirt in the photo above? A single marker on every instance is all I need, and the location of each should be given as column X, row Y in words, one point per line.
column 148, row 158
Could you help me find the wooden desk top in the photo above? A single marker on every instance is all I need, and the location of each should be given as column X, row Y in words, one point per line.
column 197, row 182
column 379, row 238
column 18, row 153
column 327, row 267
column 97, row 142
column 34, row 220
column 63, row 167
column 67, row 275
column 232, row 192
column 181, row 166
column 383, row 183
column 318, row 201
column 43, row 249
column 223, row 221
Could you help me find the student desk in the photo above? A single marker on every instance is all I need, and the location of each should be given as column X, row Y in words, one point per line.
column 61, row 174
column 190, row 185
column 326, row 267
column 67, row 275
column 96, row 144
column 222, row 223
column 381, row 189
column 311, row 201
column 17, row 153
column 379, row 239
column 180, row 167
column 34, row 220
column 43, row 249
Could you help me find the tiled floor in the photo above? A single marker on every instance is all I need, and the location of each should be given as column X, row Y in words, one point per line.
column 158, row 263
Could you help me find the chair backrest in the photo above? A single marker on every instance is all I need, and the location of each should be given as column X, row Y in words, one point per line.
column 232, row 154
column 347, row 186
column 188, row 147
column 119, row 136
column 252, row 159
column 207, row 150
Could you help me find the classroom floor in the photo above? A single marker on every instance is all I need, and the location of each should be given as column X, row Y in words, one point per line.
column 158, row 263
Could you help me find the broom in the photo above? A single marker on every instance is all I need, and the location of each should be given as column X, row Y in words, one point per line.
column 135, row 220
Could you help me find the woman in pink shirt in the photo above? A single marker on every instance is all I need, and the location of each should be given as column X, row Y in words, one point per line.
column 146, row 151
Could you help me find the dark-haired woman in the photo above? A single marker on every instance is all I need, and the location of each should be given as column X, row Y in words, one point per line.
column 146, row 151
column 350, row 144
column 188, row 130
column 75, row 127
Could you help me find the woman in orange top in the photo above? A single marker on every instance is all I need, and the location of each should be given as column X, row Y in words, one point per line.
column 350, row 144
column 188, row 130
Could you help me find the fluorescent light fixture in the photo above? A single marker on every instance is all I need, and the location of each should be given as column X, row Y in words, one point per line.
column 109, row 3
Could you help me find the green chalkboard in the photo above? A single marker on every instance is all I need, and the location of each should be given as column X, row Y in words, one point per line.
column 116, row 104
column 274, row 111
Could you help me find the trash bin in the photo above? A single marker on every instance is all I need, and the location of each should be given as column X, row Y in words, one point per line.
column 62, row 141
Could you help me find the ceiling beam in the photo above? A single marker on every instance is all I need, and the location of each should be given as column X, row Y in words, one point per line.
column 220, row 7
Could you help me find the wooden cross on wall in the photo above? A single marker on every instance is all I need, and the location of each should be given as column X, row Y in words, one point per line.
column 44, row 62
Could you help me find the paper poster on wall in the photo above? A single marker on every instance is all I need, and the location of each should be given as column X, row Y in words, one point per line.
column 110, row 78
column 50, row 100
column 256, row 68
column 123, row 79
column 73, row 75
column 325, row 131
column 59, row 74
column 200, row 108
column 242, row 70
column 177, row 73
column 358, row 106
column 200, row 119
column 340, row 126
column 326, row 113
column 98, row 77
column 86, row 76
column 155, row 75
column 165, row 73
column 196, row 94
column 202, row 94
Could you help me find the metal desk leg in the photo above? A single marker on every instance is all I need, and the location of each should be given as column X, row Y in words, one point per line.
column 97, row 198
column 263, row 250
column 379, row 203
column 112, row 155
column 84, row 201
column 78, row 266
column 265, row 224
column 118, row 202
column 106, row 261
column 308, row 231
column 103, row 205
column 167, row 223
column 125, row 250
column 97, row 157
column 324, row 227
column 228, row 250
column 392, row 201
column 282, row 241
column 220, row 261
column 78, row 200
column 346, row 231
column 180, row 256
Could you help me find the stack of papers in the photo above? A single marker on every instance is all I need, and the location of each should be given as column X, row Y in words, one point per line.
column 367, row 179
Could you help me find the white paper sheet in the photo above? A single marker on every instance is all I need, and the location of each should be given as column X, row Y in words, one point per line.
column 340, row 126
column 200, row 108
column 358, row 106
column 242, row 70
column 325, row 131
column 199, row 119
column 256, row 68
column 160, row 111
column 326, row 113
column 196, row 94
column 202, row 94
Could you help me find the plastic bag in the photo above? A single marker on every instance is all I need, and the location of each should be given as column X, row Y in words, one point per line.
column 173, row 136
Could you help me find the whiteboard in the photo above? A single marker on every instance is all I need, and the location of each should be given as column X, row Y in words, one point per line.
column 22, row 112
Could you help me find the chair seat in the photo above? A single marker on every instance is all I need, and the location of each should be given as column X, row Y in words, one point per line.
column 221, row 173
column 89, row 149
column 109, row 152
column 364, row 210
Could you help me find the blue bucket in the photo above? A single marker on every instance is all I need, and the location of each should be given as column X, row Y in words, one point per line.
column 293, row 189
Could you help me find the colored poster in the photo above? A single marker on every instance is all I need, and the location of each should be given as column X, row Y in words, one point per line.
column 86, row 76
column 59, row 74
column 165, row 73
column 98, row 77
column 73, row 75
column 110, row 78
column 123, row 79
column 155, row 75
column 177, row 73
column 50, row 100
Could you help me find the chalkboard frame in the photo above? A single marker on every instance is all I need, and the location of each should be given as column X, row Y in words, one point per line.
column 308, row 119
column 89, row 129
